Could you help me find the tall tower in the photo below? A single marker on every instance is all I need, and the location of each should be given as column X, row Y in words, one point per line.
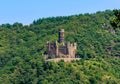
column 61, row 36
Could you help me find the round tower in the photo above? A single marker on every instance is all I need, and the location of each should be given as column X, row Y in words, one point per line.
column 61, row 36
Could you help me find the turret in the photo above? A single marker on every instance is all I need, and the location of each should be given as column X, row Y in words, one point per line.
column 75, row 45
column 56, row 48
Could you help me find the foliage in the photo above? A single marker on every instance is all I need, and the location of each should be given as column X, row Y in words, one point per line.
column 115, row 20
column 22, row 48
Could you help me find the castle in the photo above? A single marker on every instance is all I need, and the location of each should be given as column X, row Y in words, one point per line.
column 61, row 49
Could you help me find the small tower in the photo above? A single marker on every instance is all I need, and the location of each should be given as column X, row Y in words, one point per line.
column 56, row 45
column 75, row 46
column 61, row 36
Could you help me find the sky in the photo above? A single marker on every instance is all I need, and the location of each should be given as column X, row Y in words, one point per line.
column 26, row 11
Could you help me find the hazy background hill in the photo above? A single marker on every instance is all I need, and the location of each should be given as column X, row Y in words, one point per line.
column 22, row 46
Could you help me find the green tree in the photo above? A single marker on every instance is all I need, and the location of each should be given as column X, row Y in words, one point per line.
column 115, row 20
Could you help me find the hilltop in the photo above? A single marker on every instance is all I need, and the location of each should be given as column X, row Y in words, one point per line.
column 98, row 45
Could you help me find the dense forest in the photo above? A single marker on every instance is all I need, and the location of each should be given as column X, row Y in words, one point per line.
column 98, row 45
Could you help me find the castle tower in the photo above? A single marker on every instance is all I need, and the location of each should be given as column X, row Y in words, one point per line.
column 61, row 36
column 56, row 48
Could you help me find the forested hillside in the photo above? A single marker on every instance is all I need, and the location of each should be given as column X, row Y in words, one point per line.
column 98, row 44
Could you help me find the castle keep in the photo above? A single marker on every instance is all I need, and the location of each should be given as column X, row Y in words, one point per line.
column 61, row 49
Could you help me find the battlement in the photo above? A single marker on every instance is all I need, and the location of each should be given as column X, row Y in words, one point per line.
column 72, row 45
